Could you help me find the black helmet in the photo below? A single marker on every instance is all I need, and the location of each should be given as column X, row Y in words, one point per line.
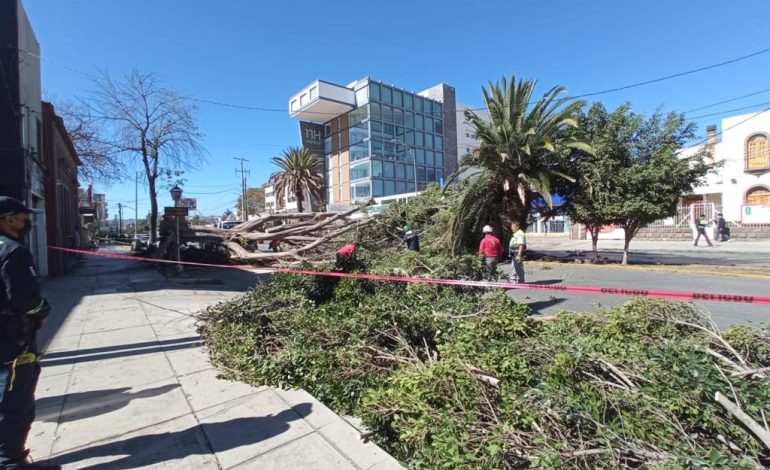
column 10, row 206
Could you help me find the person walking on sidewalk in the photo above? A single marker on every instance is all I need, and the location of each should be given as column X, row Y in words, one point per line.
column 701, row 228
column 22, row 312
column 491, row 250
column 517, row 248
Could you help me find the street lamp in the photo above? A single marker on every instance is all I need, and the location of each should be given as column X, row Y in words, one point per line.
column 414, row 160
column 176, row 195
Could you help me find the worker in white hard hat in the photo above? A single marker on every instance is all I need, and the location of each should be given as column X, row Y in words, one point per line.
column 491, row 250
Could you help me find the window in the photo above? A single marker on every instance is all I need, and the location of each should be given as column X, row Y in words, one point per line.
column 339, row 141
column 374, row 91
column 387, row 114
column 376, row 129
column 359, row 171
column 429, row 141
column 388, row 150
column 399, row 132
column 400, row 187
column 409, row 137
column 376, row 110
column 420, row 155
column 418, row 121
column 390, row 188
column 358, row 133
column 294, row 105
column 438, row 110
column 410, row 172
column 427, row 107
column 409, row 119
column 400, row 152
column 358, row 115
column 398, row 98
column 438, row 126
column 377, row 188
column 376, row 169
column 387, row 94
column 758, row 196
column 438, row 143
column 313, row 93
column 329, row 195
column 389, row 168
column 439, row 175
column 428, row 124
column 359, row 151
column 328, row 145
column 408, row 101
column 398, row 116
column 440, row 159
column 329, row 179
column 421, row 173
column 418, row 101
column 400, row 171
column 327, row 129
column 430, row 158
column 360, row 191
column 376, row 149
column 419, row 139
column 431, row 174
column 388, row 131
column 757, row 153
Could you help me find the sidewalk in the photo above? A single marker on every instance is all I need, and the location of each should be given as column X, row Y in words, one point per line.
column 127, row 384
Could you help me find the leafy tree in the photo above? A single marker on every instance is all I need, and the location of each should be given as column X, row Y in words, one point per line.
column 634, row 176
column 522, row 148
column 141, row 121
column 300, row 173
column 255, row 200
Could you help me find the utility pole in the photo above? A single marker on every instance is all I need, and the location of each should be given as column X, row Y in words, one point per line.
column 120, row 220
column 244, row 204
column 136, row 204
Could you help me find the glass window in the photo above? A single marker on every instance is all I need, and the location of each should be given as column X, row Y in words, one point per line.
column 329, row 180
column 428, row 140
column 329, row 195
column 388, row 131
column 410, row 172
column 376, row 110
column 376, row 169
column 439, row 175
column 360, row 191
column 358, row 133
column 430, row 158
column 400, row 152
column 359, row 151
column 438, row 110
column 389, row 169
column 427, row 107
column 421, row 174
column 440, row 159
column 408, row 101
column 399, row 132
column 339, row 141
column 418, row 121
column 418, row 103
column 420, row 155
column 327, row 129
column 359, row 171
column 328, row 145
column 438, row 126
column 398, row 115
column 398, row 98
column 409, row 120
column 428, row 124
column 374, row 91
column 431, row 174
column 410, row 186
column 376, row 149
column 387, row 113
column 400, row 187
column 358, row 115
column 419, row 139
column 389, row 150
column 400, row 171
column 377, row 188
column 438, row 142
column 376, row 127
column 390, row 188
column 387, row 94
column 409, row 137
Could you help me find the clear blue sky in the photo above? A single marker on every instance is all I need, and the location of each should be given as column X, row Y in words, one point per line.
column 258, row 53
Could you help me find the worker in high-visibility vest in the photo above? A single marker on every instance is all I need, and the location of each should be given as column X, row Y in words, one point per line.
column 22, row 313
column 517, row 248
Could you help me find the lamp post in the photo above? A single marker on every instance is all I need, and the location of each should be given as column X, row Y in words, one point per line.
column 176, row 195
column 414, row 160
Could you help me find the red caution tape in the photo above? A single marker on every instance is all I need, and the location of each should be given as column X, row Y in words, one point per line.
column 664, row 294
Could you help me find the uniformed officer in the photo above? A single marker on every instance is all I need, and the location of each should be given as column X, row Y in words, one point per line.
column 22, row 312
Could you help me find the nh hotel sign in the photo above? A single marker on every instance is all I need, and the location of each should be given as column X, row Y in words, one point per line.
column 312, row 135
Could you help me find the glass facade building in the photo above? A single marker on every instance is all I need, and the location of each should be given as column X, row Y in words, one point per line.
column 390, row 142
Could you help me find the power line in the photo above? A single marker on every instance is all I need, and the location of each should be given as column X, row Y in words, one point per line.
column 731, row 127
column 727, row 101
column 730, row 110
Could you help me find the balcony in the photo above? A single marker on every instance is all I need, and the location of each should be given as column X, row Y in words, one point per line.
column 321, row 101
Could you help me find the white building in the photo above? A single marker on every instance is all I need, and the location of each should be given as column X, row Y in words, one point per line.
column 272, row 204
column 467, row 141
column 742, row 184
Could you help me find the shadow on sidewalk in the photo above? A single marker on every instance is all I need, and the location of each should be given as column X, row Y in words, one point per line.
column 94, row 403
column 120, row 350
column 155, row 449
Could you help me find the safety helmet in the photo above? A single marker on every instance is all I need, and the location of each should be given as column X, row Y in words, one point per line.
column 487, row 229
column 407, row 228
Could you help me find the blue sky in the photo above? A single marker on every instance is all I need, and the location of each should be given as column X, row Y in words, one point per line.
column 258, row 53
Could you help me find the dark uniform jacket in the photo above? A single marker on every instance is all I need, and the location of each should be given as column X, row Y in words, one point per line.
column 22, row 309
column 412, row 241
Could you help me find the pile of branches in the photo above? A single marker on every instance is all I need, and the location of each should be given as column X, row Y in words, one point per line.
column 303, row 236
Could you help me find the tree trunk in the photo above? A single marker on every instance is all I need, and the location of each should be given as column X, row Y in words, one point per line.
column 594, row 231
column 153, row 210
column 628, row 236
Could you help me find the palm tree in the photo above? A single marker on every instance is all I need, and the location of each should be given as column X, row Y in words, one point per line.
column 523, row 146
column 300, row 173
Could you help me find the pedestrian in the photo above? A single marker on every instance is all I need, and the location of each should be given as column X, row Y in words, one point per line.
column 517, row 249
column 491, row 250
column 275, row 245
column 715, row 228
column 22, row 313
column 345, row 257
column 700, row 226
column 411, row 239
column 723, row 229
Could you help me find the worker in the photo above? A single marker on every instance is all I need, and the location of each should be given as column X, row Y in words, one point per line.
column 411, row 239
column 275, row 245
column 22, row 313
column 517, row 248
column 491, row 250
column 345, row 256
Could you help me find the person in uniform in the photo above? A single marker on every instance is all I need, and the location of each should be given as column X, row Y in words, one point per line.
column 517, row 248
column 491, row 250
column 22, row 313
column 411, row 239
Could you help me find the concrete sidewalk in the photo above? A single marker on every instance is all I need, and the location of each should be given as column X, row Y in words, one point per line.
column 127, row 384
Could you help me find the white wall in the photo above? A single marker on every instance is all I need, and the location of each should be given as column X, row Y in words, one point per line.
column 466, row 143
column 731, row 181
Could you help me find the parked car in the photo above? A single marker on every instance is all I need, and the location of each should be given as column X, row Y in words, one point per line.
column 230, row 224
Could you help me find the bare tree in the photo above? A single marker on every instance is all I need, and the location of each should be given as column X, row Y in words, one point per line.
column 143, row 121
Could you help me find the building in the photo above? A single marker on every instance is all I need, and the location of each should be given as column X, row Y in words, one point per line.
column 102, row 215
column 380, row 142
column 61, row 190
column 21, row 122
column 467, row 141
column 289, row 204
column 741, row 185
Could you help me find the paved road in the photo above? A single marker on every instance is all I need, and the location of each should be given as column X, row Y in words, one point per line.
column 723, row 313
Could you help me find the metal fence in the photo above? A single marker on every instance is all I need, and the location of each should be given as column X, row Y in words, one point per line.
column 686, row 216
